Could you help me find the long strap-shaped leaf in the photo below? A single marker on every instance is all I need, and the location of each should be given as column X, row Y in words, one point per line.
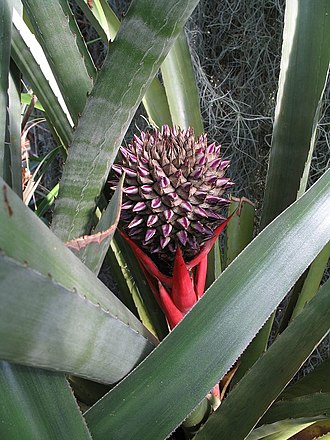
column 107, row 25
column 180, row 86
column 6, row 10
column 31, row 60
column 268, row 377
column 36, row 404
column 309, row 405
column 201, row 349
column 65, row 49
column 144, row 39
column 304, row 66
column 57, row 261
column 45, row 325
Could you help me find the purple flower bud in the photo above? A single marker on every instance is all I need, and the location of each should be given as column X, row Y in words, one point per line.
column 200, row 211
column 196, row 174
column 168, row 214
column 198, row 227
column 215, row 163
column 186, row 206
column 117, row 169
column 140, row 206
column 224, row 164
column 184, row 222
column 215, row 199
column 156, row 203
column 182, row 236
column 144, row 172
column 164, row 182
column 146, row 189
column 211, row 148
column 152, row 219
column 137, row 220
column 129, row 172
column 137, row 140
column 221, row 182
column 130, row 190
column 164, row 242
column 127, row 205
column 149, row 234
column 167, row 229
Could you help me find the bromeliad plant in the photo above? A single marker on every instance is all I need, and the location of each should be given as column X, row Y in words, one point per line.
column 60, row 324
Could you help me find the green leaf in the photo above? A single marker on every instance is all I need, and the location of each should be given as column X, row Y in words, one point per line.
column 38, row 404
column 180, row 86
column 310, row 405
column 239, row 230
column 315, row 382
column 60, row 329
column 47, row 201
column 144, row 39
column 201, row 349
column 102, row 18
column 93, row 255
column 41, row 168
column 6, row 10
column 313, row 280
column 304, row 66
column 144, row 299
column 107, row 25
column 29, row 57
column 271, row 373
column 26, row 100
column 59, row 36
column 156, row 105
column 55, row 260
column 282, row 430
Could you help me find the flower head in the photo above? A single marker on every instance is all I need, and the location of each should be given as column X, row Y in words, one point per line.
column 173, row 193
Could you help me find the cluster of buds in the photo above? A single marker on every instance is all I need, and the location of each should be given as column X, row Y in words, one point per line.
column 172, row 211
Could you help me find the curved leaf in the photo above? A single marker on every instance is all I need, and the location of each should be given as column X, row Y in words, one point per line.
column 55, row 259
column 282, row 430
column 29, row 57
column 219, row 326
column 6, row 10
column 45, row 325
column 271, row 373
column 37, row 404
column 304, row 67
column 180, row 86
column 59, row 35
column 93, row 255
